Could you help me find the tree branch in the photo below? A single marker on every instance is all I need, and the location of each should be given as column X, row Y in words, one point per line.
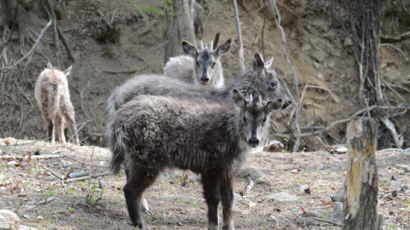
column 31, row 50
column 295, row 78
column 238, row 29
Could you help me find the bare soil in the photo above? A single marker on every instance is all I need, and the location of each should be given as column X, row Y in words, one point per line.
column 46, row 201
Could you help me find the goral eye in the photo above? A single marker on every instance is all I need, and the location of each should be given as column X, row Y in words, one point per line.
column 213, row 65
column 244, row 119
column 197, row 63
column 264, row 119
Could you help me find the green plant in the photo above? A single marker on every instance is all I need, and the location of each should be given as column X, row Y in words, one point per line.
column 165, row 6
column 70, row 209
column 94, row 194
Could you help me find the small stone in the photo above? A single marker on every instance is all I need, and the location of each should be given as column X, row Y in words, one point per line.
column 283, row 196
column 348, row 42
column 338, row 197
column 316, row 65
column 321, row 167
column 392, row 177
column 9, row 220
column 394, row 193
column 395, row 184
column 305, row 189
column 405, row 152
column 306, row 46
column 338, row 212
column 320, row 76
column 391, row 212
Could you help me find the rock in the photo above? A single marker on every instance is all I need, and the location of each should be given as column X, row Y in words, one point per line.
column 405, row 168
column 306, row 47
column 394, row 193
column 392, row 75
column 405, row 152
column 9, row 220
column 320, row 76
column 395, row 184
column 348, row 42
column 338, row 213
column 283, row 196
column 319, row 55
column 338, row 197
column 305, row 188
column 255, row 175
column 316, row 65
column 273, row 146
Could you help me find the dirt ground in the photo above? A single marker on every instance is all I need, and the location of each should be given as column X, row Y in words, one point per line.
column 320, row 51
column 306, row 180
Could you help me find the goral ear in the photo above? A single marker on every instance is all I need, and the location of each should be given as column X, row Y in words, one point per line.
column 68, row 70
column 258, row 64
column 274, row 105
column 239, row 99
column 268, row 63
column 189, row 48
column 224, row 47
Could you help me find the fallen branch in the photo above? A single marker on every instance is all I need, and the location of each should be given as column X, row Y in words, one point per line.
column 351, row 117
column 21, row 158
column 31, row 50
column 395, row 48
column 397, row 38
column 326, row 221
column 247, row 188
column 78, row 161
column 53, row 173
column 68, row 181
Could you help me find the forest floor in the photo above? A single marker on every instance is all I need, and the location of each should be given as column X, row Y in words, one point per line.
column 295, row 194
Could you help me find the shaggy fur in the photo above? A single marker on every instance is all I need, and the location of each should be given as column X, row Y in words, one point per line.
column 202, row 68
column 53, row 97
column 151, row 133
column 261, row 79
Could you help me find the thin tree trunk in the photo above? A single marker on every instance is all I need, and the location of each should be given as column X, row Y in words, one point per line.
column 361, row 185
column 179, row 26
column 238, row 29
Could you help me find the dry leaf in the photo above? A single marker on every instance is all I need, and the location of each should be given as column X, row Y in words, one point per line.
column 328, row 203
column 7, row 142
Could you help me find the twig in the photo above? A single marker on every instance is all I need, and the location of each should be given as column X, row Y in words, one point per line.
column 121, row 71
column 238, row 29
column 395, row 48
column 53, row 173
column 398, row 139
column 78, row 161
column 398, row 38
column 52, row 15
column 286, row 135
column 326, row 221
column 295, row 78
column 68, row 181
column 318, row 87
column 248, row 187
column 31, row 50
column 65, row 43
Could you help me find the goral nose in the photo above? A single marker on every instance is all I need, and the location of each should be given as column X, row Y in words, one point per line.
column 253, row 141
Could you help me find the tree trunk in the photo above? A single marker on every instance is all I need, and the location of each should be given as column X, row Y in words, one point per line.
column 179, row 26
column 361, row 185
